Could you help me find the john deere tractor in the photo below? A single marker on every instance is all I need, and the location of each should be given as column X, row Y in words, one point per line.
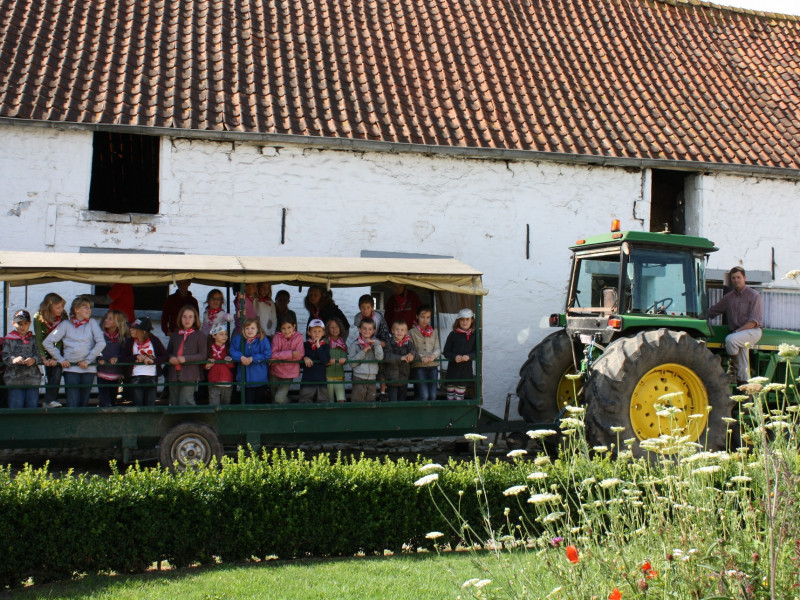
column 635, row 329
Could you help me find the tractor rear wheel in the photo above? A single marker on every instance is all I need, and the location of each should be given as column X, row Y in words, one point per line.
column 543, row 388
column 658, row 367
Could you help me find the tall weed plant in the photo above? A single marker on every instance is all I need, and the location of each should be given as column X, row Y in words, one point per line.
column 681, row 522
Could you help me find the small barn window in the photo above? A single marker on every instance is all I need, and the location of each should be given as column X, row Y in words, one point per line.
column 668, row 201
column 124, row 173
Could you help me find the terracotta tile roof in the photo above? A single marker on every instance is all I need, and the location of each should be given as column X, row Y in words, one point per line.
column 662, row 79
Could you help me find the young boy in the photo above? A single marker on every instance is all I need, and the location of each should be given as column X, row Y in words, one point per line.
column 314, row 383
column 399, row 353
column 21, row 357
column 425, row 369
column 365, row 347
column 282, row 311
column 366, row 307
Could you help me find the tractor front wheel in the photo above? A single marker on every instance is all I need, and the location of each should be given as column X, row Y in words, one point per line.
column 658, row 368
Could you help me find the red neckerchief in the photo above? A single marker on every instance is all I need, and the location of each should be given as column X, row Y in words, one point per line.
column 79, row 323
column 363, row 343
column 212, row 313
column 145, row 348
column 266, row 300
column 112, row 336
column 318, row 344
column 315, row 313
column 13, row 335
column 337, row 343
column 217, row 352
column 467, row 332
column 50, row 325
column 185, row 333
column 427, row 332
column 402, row 342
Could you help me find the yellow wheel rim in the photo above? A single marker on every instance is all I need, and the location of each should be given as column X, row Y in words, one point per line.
column 690, row 396
column 567, row 388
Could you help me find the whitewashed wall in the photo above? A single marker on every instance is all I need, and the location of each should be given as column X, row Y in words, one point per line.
column 223, row 198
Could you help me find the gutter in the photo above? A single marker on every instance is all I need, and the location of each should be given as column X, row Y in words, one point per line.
column 356, row 145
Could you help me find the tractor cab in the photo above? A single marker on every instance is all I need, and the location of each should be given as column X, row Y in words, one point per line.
column 636, row 279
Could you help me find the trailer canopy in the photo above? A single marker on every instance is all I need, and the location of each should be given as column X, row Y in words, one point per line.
column 442, row 274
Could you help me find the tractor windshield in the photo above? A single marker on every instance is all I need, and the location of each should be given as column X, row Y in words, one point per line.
column 595, row 286
column 665, row 282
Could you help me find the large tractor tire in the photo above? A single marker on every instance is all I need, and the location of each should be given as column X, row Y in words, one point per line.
column 634, row 373
column 543, row 388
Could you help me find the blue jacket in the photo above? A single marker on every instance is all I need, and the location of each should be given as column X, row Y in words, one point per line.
column 260, row 350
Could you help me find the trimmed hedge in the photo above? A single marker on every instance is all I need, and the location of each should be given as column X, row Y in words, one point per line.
column 255, row 506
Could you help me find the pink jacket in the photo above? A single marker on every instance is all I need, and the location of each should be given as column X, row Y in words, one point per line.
column 282, row 349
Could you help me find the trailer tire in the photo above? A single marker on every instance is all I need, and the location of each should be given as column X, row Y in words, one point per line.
column 634, row 372
column 543, row 389
column 188, row 445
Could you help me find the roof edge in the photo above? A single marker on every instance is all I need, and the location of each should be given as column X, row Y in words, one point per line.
column 356, row 145
column 735, row 9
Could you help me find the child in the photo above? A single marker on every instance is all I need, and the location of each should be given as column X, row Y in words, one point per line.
column 459, row 350
column 187, row 348
column 365, row 347
column 399, row 353
column 252, row 350
column 317, row 356
column 366, row 307
column 109, row 375
column 335, row 371
column 287, row 345
column 21, row 355
column 282, row 311
column 425, row 369
column 220, row 366
column 83, row 342
column 213, row 314
column 51, row 313
column 265, row 308
column 145, row 354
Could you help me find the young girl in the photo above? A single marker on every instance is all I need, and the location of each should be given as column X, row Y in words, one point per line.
column 51, row 313
column 459, row 350
column 252, row 351
column 145, row 354
column 287, row 345
column 213, row 314
column 21, row 357
column 109, row 375
column 83, row 342
column 186, row 348
column 425, row 369
column 335, row 370
column 220, row 366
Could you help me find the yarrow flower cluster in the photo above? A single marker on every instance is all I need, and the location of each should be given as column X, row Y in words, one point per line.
column 426, row 480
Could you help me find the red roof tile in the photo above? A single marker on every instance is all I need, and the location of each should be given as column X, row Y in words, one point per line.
column 664, row 79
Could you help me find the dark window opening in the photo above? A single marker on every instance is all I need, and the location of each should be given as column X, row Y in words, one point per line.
column 668, row 202
column 145, row 297
column 124, row 173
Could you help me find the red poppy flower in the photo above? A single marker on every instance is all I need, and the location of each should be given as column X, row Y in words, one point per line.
column 572, row 554
column 648, row 570
column 615, row 594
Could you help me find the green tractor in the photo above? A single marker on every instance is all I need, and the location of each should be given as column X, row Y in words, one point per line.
column 635, row 328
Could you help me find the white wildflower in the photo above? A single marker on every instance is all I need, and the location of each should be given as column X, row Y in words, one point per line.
column 475, row 437
column 758, row 380
column 629, row 441
column 588, row 481
column 431, row 467
column 554, row 592
column 537, row 475
column 514, row 490
column 617, row 429
column 541, row 461
column 706, row 470
column 610, row 482
column 788, row 350
column 426, row 480
column 434, row 535
column 553, row 516
column 541, row 433
column 729, row 420
column 741, row 479
column 571, row 423
column 482, row 583
column 573, row 376
column 670, row 397
column 775, row 387
column 740, row 398
column 544, row 498
column 568, row 432
column 778, row 425
column 600, row 448
column 668, row 411
column 516, row 453
column 575, row 410
column 470, row 582
column 695, row 416
column 793, row 274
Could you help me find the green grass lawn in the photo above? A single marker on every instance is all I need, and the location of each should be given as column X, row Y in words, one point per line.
column 417, row 576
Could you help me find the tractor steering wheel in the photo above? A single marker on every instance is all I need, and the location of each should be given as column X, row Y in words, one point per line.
column 654, row 308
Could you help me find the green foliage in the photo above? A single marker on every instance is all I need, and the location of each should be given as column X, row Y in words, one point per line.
column 255, row 506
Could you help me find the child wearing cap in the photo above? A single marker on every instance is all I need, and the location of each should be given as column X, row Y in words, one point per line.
column 145, row 354
column 109, row 375
column 21, row 357
column 314, row 383
column 287, row 351
column 459, row 350
column 220, row 366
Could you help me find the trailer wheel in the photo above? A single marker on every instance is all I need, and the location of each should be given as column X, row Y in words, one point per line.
column 634, row 373
column 187, row 445
column 517, row 441
column 543, row 388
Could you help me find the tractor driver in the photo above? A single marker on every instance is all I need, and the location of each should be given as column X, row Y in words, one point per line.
column 744, row 312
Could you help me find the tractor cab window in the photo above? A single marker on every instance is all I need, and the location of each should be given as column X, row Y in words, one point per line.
column 596, row 283
column 665, row 282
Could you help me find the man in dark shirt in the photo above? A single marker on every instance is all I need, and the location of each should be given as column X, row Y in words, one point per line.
column 174, row 303
column 744, row 311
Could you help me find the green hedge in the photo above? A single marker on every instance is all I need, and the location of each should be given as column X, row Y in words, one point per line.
column 256, row 506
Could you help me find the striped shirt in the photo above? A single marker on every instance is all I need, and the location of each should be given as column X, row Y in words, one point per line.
column 740, row 307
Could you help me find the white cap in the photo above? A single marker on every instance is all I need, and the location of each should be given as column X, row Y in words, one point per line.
column 465, row 313
column 316, row 323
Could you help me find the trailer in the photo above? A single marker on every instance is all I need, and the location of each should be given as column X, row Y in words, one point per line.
column 186, row 435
